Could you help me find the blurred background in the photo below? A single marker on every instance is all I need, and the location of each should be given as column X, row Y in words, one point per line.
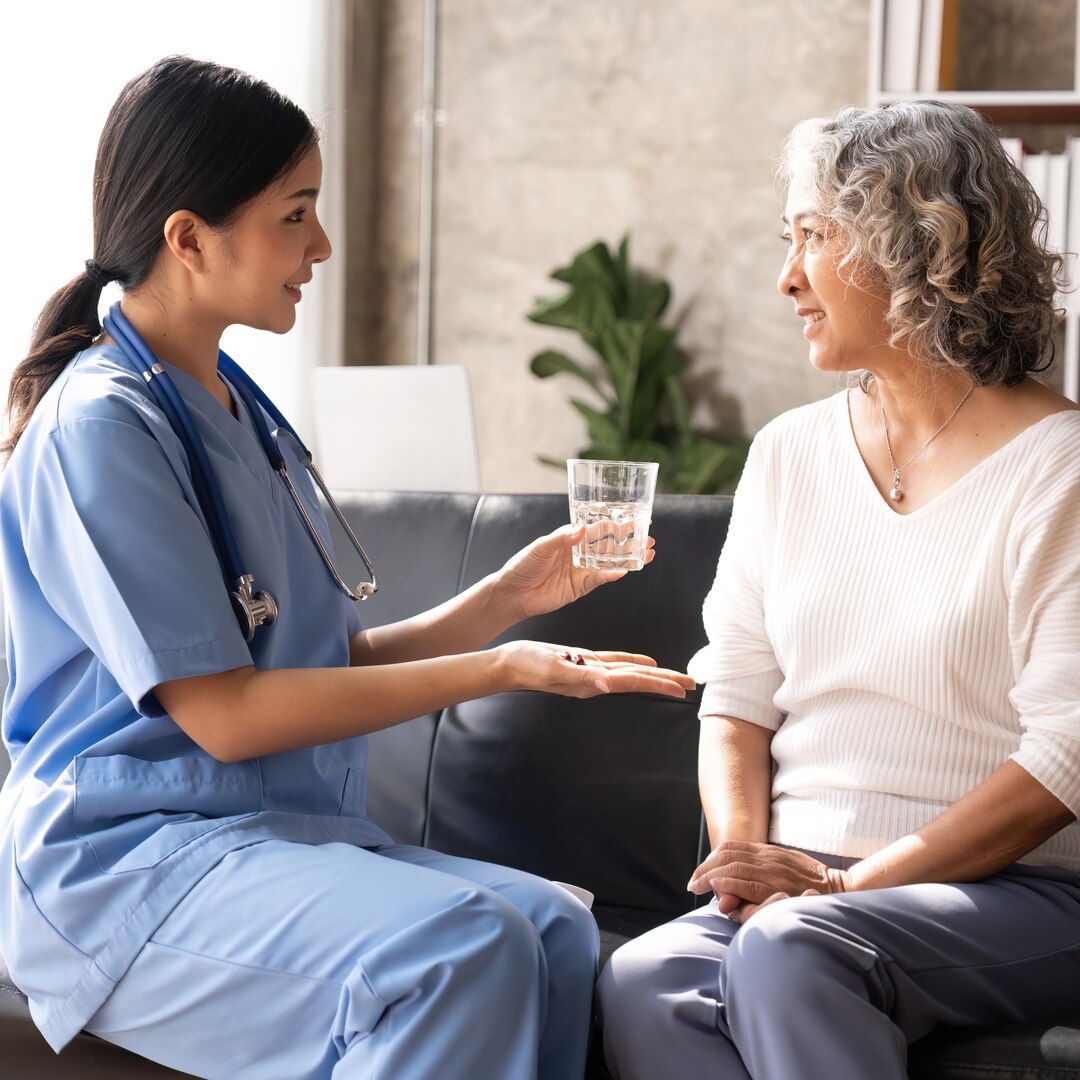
column 474, row 146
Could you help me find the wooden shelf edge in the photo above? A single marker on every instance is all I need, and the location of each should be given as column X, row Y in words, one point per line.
column 1004, row 107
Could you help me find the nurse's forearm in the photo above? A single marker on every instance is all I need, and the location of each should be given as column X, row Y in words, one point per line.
column 464, row 623
column 247, row 713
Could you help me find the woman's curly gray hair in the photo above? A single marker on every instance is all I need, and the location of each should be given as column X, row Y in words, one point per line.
column 931, row 201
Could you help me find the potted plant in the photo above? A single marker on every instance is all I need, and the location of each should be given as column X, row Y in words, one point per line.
column 640, row 412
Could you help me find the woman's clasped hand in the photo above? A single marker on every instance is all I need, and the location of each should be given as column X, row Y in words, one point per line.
column 747, row 876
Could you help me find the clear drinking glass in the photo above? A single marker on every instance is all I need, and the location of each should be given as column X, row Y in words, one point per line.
column 613, row 500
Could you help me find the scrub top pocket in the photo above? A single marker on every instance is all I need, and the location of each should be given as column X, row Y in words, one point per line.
column 136, row 813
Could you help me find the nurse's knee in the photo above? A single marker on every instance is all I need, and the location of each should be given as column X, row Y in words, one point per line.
column 491, row 930
column 569, row 931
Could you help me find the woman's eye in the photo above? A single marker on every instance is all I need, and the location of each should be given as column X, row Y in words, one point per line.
column 785, row 238
column 298, row 216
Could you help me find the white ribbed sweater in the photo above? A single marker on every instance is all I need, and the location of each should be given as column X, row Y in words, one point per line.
column 900, row 659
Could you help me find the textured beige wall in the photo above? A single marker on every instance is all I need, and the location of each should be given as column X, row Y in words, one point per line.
column 571, row 122
column 576, row 120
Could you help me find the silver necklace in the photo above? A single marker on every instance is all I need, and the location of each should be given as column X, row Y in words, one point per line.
column 895, row 493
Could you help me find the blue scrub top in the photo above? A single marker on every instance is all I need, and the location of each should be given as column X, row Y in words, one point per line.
column 111, row 813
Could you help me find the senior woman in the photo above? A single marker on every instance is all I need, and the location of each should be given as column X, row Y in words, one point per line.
column 895, row 626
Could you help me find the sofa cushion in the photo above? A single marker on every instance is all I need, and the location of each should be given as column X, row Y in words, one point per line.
column 417, row 542
column 25, row 1053
column 602, row 793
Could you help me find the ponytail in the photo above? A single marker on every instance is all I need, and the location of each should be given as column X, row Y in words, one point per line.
column 67, row 325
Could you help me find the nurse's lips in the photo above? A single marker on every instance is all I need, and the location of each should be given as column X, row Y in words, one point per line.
column 294, row 289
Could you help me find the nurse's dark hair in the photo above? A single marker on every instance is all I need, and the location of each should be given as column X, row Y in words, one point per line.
column 184, row 135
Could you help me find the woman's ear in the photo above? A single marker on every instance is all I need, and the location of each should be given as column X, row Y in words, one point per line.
column 186, row 237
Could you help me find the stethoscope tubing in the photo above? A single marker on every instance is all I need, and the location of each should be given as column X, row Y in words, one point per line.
column 169, row 400
column 253, row 609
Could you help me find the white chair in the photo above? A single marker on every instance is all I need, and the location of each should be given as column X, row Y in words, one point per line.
column 395, row 428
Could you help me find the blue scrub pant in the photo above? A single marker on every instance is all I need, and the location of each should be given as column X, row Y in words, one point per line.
column 838, row 985
column 290, row 961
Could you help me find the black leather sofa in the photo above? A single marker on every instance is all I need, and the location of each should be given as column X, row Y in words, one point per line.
column 600, row 793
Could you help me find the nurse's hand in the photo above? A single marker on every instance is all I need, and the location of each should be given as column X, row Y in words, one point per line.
column 574, row 672
column 542, row 577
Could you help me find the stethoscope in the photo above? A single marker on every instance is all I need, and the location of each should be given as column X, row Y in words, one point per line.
column 253, row 609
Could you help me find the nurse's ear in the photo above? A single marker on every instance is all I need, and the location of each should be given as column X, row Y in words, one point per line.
column 189, row 239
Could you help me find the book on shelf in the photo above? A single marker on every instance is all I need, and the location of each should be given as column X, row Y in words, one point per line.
column 919, row 45
column 1048, row 175
column 937, row 45
column 1037, row 170
column 1014, row 147
column 901, row 45
column 1072, row 228
column 1057, row 200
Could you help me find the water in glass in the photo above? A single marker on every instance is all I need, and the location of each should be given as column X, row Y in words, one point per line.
column 615, row 534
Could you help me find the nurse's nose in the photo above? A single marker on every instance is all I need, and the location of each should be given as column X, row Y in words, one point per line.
column 319, row 250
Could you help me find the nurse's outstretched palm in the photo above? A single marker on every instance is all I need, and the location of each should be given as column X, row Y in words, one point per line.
column 573, row 672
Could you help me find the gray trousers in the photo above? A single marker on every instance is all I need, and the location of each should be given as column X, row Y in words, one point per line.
column 838, row 985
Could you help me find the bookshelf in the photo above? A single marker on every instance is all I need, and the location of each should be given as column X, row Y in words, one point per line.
column 913, row 55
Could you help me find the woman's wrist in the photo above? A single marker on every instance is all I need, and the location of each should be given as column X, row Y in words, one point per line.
column 839, row 881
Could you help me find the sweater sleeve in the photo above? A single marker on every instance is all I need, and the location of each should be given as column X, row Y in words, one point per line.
column 1044, row 627
column 738, row 665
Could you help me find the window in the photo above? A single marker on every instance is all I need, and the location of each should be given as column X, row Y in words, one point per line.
column 65, row 64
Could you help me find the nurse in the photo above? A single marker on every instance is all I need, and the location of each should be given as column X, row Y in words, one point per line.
column 186, row 868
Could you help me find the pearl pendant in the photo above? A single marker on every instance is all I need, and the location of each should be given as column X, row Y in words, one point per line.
column 895, row 494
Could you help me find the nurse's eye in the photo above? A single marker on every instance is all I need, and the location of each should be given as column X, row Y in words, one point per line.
column 298, row 215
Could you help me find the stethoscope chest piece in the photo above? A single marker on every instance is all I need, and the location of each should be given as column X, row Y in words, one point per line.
column 252, row 610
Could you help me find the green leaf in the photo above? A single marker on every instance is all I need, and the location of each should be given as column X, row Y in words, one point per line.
column 707, row 465
column 602, row 429
column 591, row 268
column 649, row 300
column 549, row 362
column 622, row 266
column 619, row 344
column 586, row 309
column 659, row 360
column 680, row 411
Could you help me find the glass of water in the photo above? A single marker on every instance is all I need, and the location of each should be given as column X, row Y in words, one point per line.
column 613, row 500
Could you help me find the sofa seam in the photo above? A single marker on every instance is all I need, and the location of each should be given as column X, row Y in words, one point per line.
column 426, row 833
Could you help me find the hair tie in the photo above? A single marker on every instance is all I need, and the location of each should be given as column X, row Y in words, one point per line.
column 95, row 273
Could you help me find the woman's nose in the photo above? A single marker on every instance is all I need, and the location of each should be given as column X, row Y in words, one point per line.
column 791, row 273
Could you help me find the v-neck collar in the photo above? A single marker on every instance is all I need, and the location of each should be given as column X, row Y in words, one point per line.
column 238, row 431
column 946, row 495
